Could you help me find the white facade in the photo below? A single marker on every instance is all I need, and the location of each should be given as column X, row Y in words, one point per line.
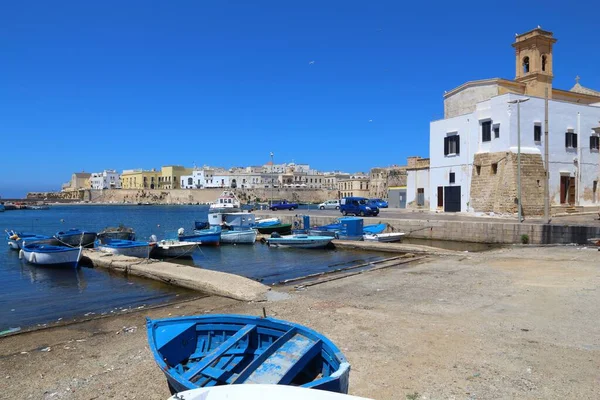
column 579, row 162
column 107, row 179
column 417, row 188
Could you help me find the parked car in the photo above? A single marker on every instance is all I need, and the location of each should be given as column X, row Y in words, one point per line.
column 283, row 205
column 330, row 205
column 379, row 203
column 358, row 206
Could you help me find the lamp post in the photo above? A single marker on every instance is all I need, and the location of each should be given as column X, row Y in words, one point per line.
column 272, row 178
column 518, row 102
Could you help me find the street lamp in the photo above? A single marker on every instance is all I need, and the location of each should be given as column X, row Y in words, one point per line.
column 272, row 178
column 518, row 103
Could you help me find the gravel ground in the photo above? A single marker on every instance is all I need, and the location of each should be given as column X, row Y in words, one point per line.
column 511, row 323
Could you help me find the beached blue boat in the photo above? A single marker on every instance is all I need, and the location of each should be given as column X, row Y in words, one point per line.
column 300, row 241
column 209, row 237
column 76, row 237
column 374, row 229
column 51, row 256
column 128, row 248
column 212, row 350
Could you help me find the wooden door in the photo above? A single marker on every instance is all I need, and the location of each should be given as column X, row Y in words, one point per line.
column 571, row 191
column 440, row 196
column 564, row 189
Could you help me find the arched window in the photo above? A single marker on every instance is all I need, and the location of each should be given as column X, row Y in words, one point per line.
column 543, row 62
column 525, row 65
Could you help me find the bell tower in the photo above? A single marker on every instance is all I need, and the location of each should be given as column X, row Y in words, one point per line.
column 533, row 51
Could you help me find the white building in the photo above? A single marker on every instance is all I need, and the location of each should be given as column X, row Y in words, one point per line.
column 473, row 150
column 107, row 179
column 417, row 183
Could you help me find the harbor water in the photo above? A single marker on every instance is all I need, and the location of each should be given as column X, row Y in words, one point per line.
column 31, row 295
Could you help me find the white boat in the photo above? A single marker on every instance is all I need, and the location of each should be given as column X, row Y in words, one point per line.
column 49, row 255
column 231, row 219
column 384, row 237
column 128, row 248
column 239, row 236
column 300, row 241
column 226, row 202
column 261, row 392
column 173, row 248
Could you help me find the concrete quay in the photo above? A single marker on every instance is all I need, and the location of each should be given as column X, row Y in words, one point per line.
column 207, row 281
column 463, row 228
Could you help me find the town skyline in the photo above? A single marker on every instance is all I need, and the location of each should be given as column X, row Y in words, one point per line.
column 344, row 88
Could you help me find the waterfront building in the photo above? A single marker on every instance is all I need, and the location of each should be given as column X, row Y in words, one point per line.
column 79, row 181
column 417, row 182
column 474, row 149
column 139, row 179
column 169, row 176
column 107, row 179
column 355, row 186
column 382, row 179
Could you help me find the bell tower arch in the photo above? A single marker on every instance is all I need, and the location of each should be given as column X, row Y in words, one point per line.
column 533, row 52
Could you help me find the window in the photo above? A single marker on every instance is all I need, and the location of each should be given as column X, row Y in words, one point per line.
column 452, row 177
column 496, row 129
column 543, row 62
column 594, row 143
column 486, row 131
column 452, row 145
column 478, row 169
column 526, row 65
column 570, row 140
column 494, row 168
column 537, row 133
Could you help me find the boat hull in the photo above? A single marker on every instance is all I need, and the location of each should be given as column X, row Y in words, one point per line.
column 104, row 237
column 213, row 350
column 300, row 241
column 204, row 237
column 279, row 228
column 173, row 248
column 261, row 392
column 127, row 248
column 74, row 239
column 36, row 254
column 239, row 237
column 384, row 237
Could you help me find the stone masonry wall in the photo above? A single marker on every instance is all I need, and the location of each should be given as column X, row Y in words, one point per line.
column 497, row 192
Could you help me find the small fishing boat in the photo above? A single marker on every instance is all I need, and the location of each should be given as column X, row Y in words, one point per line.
column 173, row 248
column 262, row 222
column 239, row 236
column 384, row 237
column 203, row 237
column 120, row 232
column 300, row 241
column 2, row 208
column 377, row 228
column 128, row 248
column 76, row 237
column 278, row 228
column 261, row 392
column 51, row 256
column 15, row 239
column 226, row 202
column 214, row 350
column 38, row 207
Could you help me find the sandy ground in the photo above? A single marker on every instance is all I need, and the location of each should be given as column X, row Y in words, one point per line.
column 513, row 323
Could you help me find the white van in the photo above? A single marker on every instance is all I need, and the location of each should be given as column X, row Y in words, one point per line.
column 330, row 205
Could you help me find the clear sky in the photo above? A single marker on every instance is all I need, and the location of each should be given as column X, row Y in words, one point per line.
column 349, row 85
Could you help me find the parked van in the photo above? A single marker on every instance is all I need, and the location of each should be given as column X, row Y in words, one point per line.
column 330, row 205
column 358, row 206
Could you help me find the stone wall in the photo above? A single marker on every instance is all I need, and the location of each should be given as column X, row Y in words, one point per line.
column 494, row 183
column 384, row 178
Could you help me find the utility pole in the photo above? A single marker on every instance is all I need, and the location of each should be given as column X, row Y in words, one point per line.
column 272, row 178
column 546, row 162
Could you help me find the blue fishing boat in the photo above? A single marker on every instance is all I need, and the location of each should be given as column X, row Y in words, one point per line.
column 51, row 256
column 15, row 239
column 209, row 237
column 2, row 208
column 374, row 229
column 128, row 248
column 76, row 237
column 213, row 350
column 299, row 241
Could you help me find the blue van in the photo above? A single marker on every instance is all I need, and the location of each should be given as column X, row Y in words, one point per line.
column 358, row 206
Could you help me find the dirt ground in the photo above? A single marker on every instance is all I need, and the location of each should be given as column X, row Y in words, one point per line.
column 511, row 323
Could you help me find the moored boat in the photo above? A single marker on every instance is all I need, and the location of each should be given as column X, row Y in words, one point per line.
column 120, row 232
column 128, row 248
column 173, row 248
column 300, row 241
column 51, row 256
column 278, row 228
column 203, row 237
column 383, row 237
column 213, row 350
column 226, row 202
column 76, row 237
column 16, row 239
column 238, row 236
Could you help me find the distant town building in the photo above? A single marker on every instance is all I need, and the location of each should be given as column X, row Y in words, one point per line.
column 473, row 150
column 79, row 181
column 417, row 182
column 382, row 179
column 355, row 186
column 170, row 175
column 107, row 179
column 139, row 179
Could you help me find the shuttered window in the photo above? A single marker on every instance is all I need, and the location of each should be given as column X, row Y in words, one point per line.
column 537, row 133
column 594, row 143
column 570, row 140
column 452, row 145
column 486, row 131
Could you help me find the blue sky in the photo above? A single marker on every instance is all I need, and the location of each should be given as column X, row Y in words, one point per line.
column 141, row 84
